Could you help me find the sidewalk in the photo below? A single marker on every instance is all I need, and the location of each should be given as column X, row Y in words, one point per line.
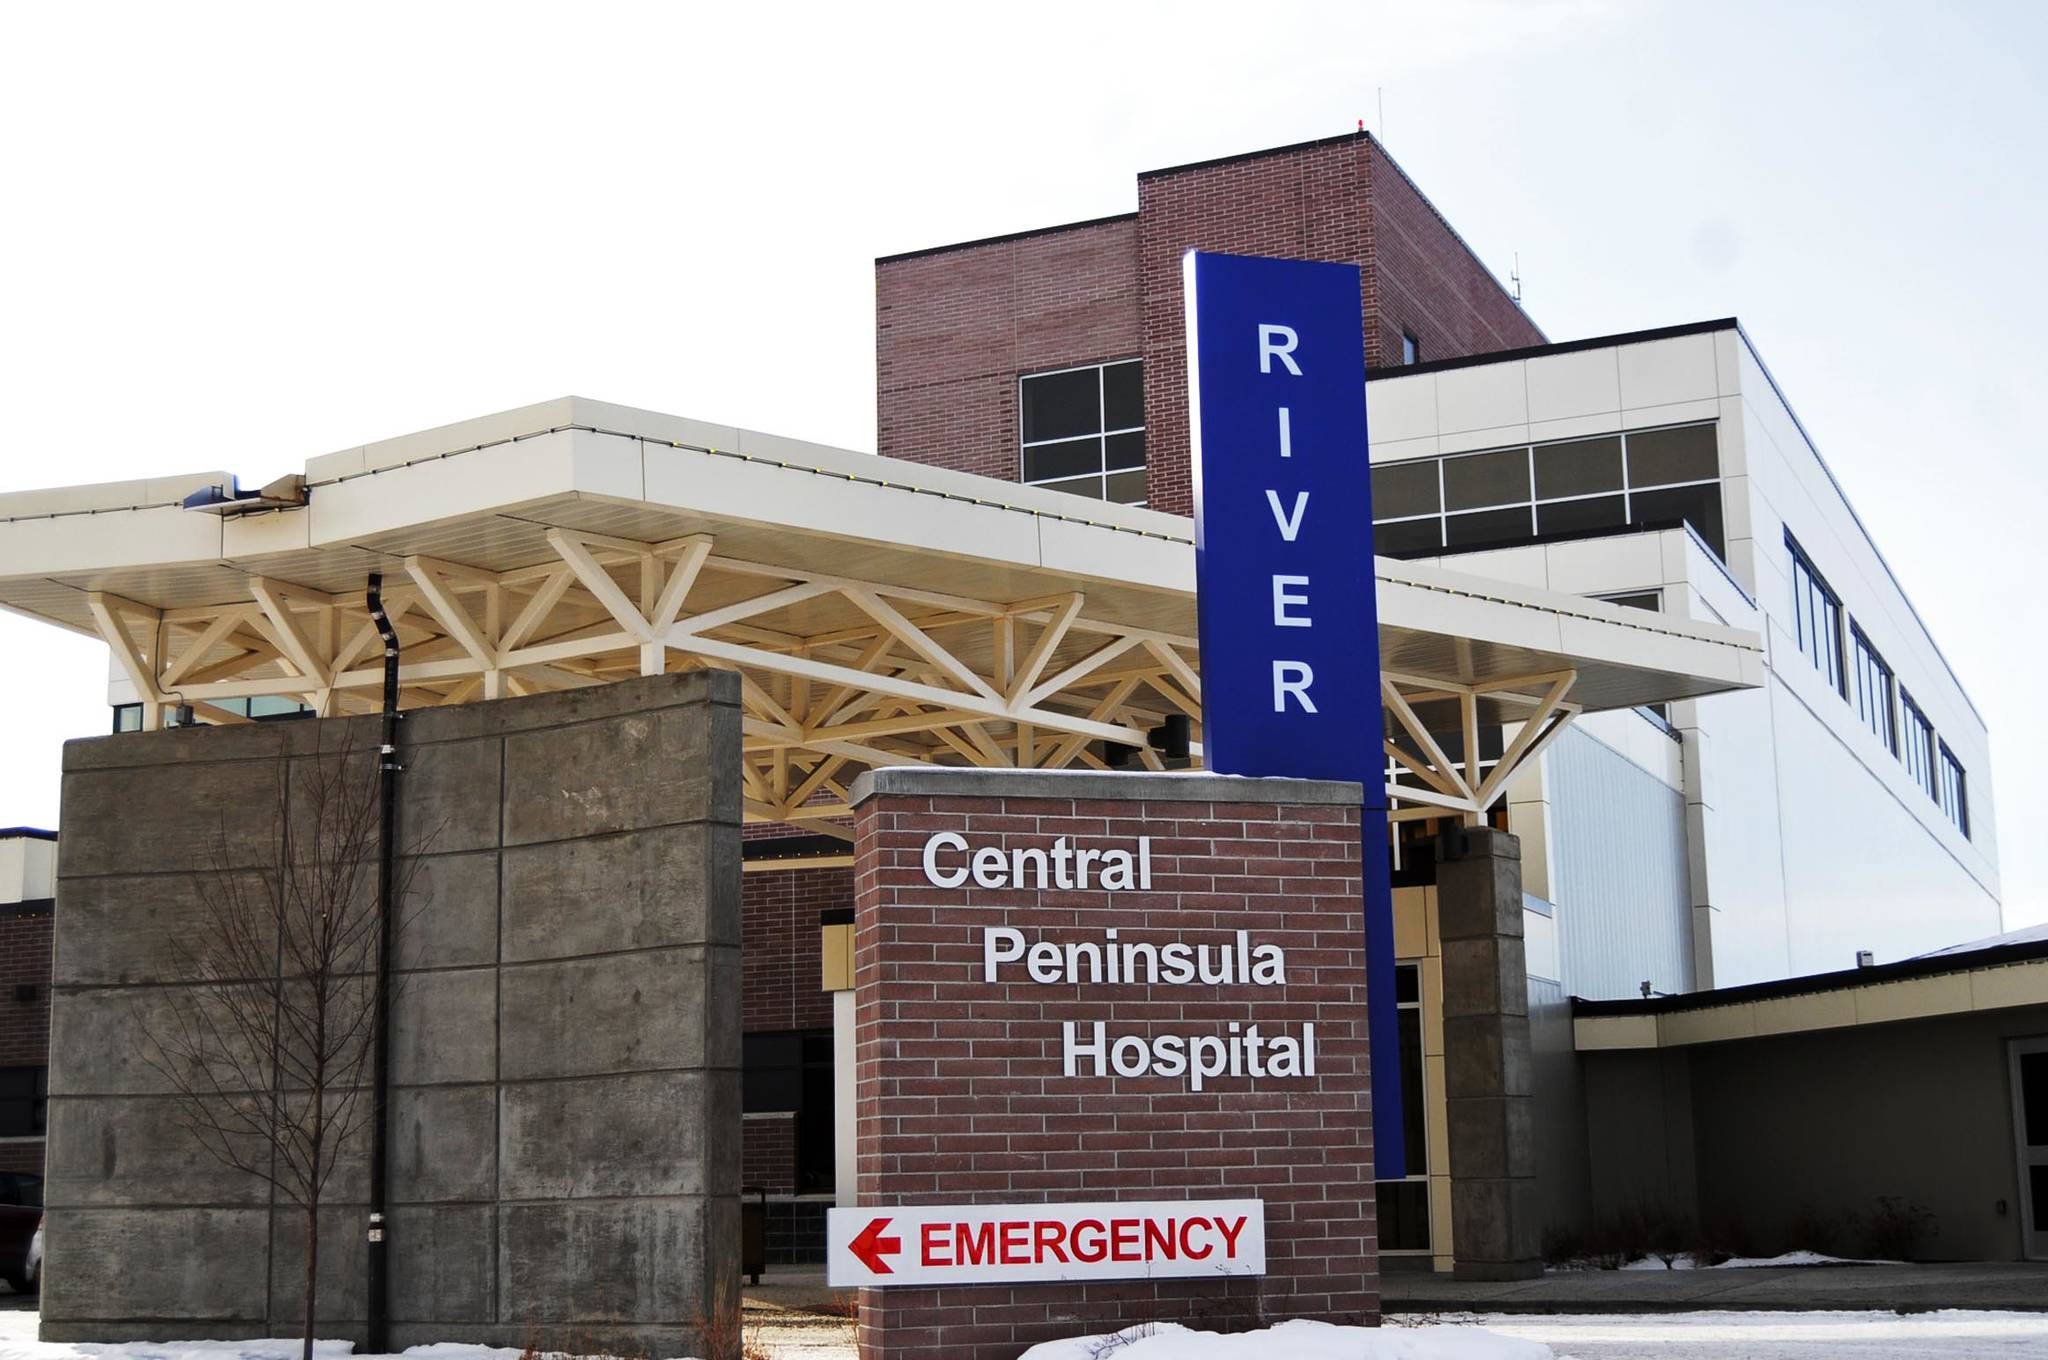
column 2012, row 1286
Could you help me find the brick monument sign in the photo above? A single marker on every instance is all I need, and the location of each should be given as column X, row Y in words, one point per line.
column 1139, row 994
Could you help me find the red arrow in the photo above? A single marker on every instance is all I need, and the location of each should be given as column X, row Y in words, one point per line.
column 871, row 1246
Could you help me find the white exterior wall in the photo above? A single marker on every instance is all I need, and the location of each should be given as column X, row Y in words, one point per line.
column 1869, row 859
column 28, row 868
column 1806, row 840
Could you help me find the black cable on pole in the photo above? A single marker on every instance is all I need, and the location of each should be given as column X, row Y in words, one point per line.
column 387, row 800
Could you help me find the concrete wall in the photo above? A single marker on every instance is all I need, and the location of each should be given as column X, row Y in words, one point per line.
column 1786, row 1140
column 565, row 1115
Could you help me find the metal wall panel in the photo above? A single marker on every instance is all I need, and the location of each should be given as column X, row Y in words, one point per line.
column 1619, row 873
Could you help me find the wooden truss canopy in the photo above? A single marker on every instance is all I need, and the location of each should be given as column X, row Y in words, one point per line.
column 837, row 674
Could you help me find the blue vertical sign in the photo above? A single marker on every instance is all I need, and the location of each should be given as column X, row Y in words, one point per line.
column 1284, row 575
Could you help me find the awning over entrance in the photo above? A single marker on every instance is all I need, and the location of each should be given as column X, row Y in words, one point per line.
column 879, row 612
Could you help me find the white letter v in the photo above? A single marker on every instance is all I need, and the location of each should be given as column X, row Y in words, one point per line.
column 1290, row 525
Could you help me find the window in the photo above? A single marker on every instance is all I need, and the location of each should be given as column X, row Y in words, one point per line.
column 1411, row 348
column 1874, row 685
column 792, row 1070
column 1955, row 793
column 1083, row 431
column 1818, row 613
column 1575, row 488
column 1404, row 1204
column 23, row 1093
column 1918, row 746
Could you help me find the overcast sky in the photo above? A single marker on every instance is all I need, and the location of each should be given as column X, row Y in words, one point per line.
column 236, row 237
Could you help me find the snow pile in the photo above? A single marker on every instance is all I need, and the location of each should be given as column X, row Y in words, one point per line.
column 18, row 1342
column 1799, row 1258
column 1297, row 1340
column 1687, row 1261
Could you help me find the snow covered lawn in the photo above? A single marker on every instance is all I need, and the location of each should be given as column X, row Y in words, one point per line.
column 1783, row 1336
column 1672, row 1336
column 1296, row 1341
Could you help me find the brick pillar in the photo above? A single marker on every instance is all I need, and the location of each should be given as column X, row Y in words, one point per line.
column 962, row 1094
column 1495, row 1230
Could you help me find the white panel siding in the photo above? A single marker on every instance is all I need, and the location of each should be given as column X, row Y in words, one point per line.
column 1618, row 875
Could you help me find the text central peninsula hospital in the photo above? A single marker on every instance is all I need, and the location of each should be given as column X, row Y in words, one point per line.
column 1627, row 615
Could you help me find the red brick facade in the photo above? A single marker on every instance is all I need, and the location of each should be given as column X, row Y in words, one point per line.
column 24, row 1012
column 768, row 1153
column 962, row 1096
column 781, row 984
column 956, row 327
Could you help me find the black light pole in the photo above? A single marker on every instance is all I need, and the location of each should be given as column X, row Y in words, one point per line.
column 387, row 799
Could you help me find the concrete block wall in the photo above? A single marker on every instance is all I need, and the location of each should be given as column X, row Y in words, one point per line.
column 565, row 1044
column 962, row 1097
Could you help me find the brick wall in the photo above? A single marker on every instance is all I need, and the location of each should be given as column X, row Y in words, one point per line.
column 962, row 1097
column 768, row 1153
column 779, row 955
column 954, row 328
column 24, row 1025
column 1309, row 204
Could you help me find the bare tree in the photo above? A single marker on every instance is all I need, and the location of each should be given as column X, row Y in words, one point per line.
column 267, row 1046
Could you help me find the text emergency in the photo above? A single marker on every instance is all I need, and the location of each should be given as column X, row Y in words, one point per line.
column 988, row 1243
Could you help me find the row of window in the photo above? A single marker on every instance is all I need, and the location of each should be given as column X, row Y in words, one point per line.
column 1642, row 479
column 1882, row 704
column 1083, row 429
column 262, row 708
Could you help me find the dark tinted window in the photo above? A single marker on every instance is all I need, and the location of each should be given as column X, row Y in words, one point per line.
column 1065, row 430
column 1058, row 405
column 1487, row 526
column 1483, row 479
column 1578, row 517
column 1123, row 396
column 1660, row 457
column 1409, row 538
column 1403, row 489
column 1070, row 458
column 1699, row 506
column 22, row 1104
column 2034, row 1097
column 1580, row 468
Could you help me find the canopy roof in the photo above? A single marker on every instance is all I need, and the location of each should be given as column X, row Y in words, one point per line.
column 882, row 612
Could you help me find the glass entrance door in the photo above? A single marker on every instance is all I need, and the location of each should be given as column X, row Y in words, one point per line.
column 2030, row 1127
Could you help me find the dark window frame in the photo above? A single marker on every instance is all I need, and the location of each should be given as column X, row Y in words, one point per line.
column 1415, row 1107
column 1520, row 522
column 1818, row 618
column 25, row 1112
column 1881, row 708
column 1097, row 482
column 1917, row 739
column 1954, row 781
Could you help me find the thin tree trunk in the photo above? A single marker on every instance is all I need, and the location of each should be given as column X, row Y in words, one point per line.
column 312, row 1274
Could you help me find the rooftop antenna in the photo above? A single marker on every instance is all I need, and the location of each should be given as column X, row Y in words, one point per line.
column 1380, row 93
column 1515, row 278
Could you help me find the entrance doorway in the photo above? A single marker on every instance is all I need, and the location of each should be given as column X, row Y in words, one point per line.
column 2030, row 1127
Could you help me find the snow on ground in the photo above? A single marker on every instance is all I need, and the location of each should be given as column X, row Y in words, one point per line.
column 1781, row 1336
column 1687, row 1261
column 1295, row 1341
column 18, row 1342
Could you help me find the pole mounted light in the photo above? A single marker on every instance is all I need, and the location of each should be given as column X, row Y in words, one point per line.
column 388, row 767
